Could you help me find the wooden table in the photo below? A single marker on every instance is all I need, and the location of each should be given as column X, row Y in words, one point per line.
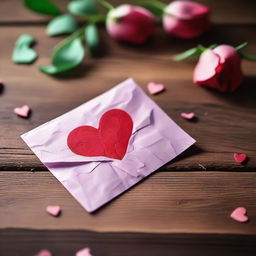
column 182, row 209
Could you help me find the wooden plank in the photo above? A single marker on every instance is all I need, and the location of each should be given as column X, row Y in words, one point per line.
column 66, row 243
column 228, row 11
column 226, row 121
column 166, row 202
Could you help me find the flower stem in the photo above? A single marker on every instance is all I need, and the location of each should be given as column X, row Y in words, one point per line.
column 241, row 46
column 69, row 39
column 106, row 4
column 246, row 56
column 94, row 18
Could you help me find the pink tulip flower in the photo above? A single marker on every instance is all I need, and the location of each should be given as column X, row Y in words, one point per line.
column 130, row 23
column 219, row 68
column 186, row 19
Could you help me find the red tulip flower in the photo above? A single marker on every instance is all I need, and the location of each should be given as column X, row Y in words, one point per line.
column 130, row 23
column 219, row 68
column 186, row 19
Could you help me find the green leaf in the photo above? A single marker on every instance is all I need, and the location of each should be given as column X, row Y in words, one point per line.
column 241, row 46
column 65, row 57
column 83, row 7
column 63, row 24
column 154, row 6
column 189, row 53
column 22, row 53
column 92, row 39
column 244, row 55
column 42, row 6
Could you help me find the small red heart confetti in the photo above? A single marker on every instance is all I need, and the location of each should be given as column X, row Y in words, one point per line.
column 239, row 214
column 240, row 158
column 188, row 116
column 22, row 111
column 84, row 252
column 43, row 252
column 155, row 88
column 53, row 210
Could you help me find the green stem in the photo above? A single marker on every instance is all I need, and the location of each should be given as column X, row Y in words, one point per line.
column 155, row 3
column 106, row 4
column 70, row 38
column 96, row 18
column 246, row 56
column 241, row 46
column 193, row 52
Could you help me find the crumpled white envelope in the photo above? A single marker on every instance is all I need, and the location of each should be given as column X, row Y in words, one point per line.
column 94, row 181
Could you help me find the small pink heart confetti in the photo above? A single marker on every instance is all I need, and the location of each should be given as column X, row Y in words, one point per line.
column 22, row 111
column 239, row 214
column 84, row 252
column 43, row 252
column 53, row 210
column 155, row 88
column 240, row 158
column 188, row 116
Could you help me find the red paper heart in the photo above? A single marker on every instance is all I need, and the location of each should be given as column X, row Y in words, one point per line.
column 240, row 158
column 110, row 139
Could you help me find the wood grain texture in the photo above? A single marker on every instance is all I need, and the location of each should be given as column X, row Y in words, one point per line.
column 181, row 209
column 227, row 11
column 66, row 243
column 226, row 121
column 165, row 202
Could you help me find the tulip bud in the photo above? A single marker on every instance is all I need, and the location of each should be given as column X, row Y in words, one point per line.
column 186, row 19
column 129, row 23
column 219, row 68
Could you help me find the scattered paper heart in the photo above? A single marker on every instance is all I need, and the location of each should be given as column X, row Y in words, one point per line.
column 23, row 53
column 44, row 252
column 155, row 88
column 84, row 252
column 22, row 111
column 239, row 214
column 240, row 158
column 53, row 210
column 188, row 116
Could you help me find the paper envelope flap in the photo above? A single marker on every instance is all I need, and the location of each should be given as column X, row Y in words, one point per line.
column 49, row 141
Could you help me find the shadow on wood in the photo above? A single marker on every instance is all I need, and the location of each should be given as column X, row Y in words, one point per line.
column 65, row 243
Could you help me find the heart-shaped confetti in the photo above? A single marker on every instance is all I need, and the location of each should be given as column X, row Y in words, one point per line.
column 240, row 158
column 110, row 139
column 44, row 252
column 22, row 111
column 155, row 88
column 53, row 210
column 22, row 53
column 188, row 116
column 239, row 214
column 84, row 252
